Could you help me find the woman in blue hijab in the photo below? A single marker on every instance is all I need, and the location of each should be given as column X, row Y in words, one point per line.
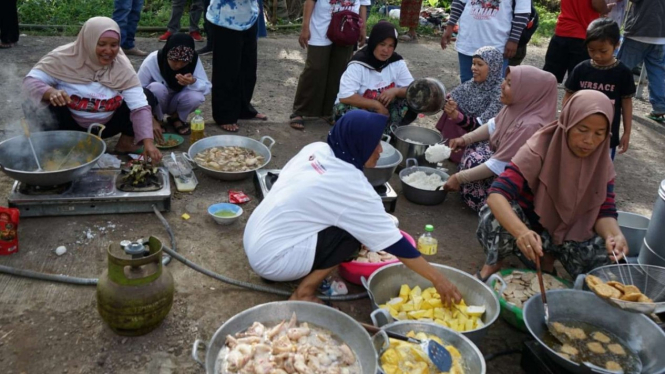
column 322, row 208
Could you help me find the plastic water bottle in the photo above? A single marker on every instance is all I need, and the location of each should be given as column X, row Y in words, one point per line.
column 198, row 127
column 333, row 286
column 427, row 245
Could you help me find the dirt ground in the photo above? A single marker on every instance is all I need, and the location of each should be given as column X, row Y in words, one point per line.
column 55, row 328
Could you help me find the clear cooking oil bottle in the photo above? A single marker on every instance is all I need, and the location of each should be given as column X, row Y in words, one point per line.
column 427, row 245
column 198, row 127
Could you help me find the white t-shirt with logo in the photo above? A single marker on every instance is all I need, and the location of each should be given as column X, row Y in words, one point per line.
column 315, row 190
column 322, row 15
column 94, row 101
column 487, row 23
column 369, row 83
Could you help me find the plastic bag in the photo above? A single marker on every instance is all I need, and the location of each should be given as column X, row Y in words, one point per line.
column 9, row 218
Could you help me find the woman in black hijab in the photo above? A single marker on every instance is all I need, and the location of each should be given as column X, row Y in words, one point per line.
column 376, row 79
column 176, row 78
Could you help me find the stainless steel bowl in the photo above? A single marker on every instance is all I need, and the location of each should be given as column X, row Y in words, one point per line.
column 473, row 359
column 640, row 333
column 418, row 195
column 420, row 138
column 17, row 161
column 385, row 167
column 257, row 146
column 385, row 284
column 341, row 325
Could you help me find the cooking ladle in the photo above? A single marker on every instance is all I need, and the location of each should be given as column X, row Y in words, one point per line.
column 437, row 353
column 26, row 130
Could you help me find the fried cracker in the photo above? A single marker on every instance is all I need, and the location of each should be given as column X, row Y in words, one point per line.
column 606, row 291
column 618, row 285
column 631, row 296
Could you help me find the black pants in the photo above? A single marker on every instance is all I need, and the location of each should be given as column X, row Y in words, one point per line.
column 520, row 54
column 8, row 21
column 60, row 118
column 563, row 54
column 234, row 62
column 207, row 26
column 333, row 247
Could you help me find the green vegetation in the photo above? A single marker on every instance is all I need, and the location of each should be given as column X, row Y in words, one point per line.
column 157, row 13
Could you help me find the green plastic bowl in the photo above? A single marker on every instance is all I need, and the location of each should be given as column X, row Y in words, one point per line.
column 511, row 313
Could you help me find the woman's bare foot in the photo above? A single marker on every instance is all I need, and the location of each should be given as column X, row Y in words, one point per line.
column 126, row 144
column 230, row 127
column 488, row 270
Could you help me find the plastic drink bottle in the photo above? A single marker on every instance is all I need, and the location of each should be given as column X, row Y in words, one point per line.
column 198, row 127
column 427, row 245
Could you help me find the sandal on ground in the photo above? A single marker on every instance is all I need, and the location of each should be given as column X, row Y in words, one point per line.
column 658, row 117
column 227, row 129
column 480, row 278
column 183, row 129
column 297, row 122
column 329, row 120
column 6, row 45
column 407, row 38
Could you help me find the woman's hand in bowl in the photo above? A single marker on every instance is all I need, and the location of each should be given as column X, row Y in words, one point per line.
column 452, row 184
column 149, row 150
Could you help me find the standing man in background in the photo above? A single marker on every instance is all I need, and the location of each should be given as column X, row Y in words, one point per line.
column 195, row 11
column 127, row 14
column 644, row 40
column 8, row 24
column 567, row 49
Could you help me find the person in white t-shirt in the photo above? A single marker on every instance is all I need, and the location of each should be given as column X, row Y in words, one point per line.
column 322, row 208
column 319, row 81
column 491, row 23
column 376, row 79
column 92, row 81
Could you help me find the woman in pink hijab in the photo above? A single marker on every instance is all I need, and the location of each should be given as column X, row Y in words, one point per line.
column 555, row 200
column 92, row 81
column 530, row 97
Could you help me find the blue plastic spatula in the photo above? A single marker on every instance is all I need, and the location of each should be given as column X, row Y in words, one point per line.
column 437, row 353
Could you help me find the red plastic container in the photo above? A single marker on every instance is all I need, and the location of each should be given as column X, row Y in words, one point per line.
column 9, row 218
column 352, row 271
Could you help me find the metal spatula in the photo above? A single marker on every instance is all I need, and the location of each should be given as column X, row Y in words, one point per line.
column 437, row 353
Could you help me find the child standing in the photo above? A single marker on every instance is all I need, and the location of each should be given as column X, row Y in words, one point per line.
column 608, row 75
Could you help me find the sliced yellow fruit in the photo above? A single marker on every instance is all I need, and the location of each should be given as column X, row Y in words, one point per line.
column 475, row 310
column 404, row 291
column 415, row 291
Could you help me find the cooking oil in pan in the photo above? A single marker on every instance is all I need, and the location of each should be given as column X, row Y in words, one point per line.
column 582, row 342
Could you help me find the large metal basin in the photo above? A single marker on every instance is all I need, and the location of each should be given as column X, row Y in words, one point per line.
column 257, row 146
column 639, row 332
column 385, row 283
column 473, row 360
column 420, row 138
column 385, row 167
column 420, row 196
column 340, row 324
column 17, row 161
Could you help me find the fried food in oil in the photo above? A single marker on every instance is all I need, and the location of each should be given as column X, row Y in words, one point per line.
column 611, row 365
column 569, row 350
column 617, row 349
column 600, row 337
column 596, row 347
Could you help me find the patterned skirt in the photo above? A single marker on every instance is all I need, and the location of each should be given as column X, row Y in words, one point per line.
column 409, row 13
column 474, row 194
column 576, row 257
column 398, row 110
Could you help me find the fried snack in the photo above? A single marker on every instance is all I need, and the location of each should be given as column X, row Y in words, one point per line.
column 592, row 280
column 568, row 350
column 631, row 289
column 611, row 365
column 575, row 333
column 644, row 299
column 605, row 291
column 618, row 285
column 599, row 336
column 617, row 349
column 596, row 347
column 631, row 296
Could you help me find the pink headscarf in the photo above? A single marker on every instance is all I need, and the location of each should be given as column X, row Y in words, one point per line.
column 568, row 190
column 534, row 106
column 77, row 62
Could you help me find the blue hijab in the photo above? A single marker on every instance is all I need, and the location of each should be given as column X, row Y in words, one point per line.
column 356, row 135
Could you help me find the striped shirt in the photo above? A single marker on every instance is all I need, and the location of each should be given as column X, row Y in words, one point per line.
column 512, row 185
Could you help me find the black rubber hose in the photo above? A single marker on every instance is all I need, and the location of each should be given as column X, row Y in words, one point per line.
column 48, row 277
column 506, row 352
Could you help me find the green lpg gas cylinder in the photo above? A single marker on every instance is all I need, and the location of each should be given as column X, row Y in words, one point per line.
column 136, row 292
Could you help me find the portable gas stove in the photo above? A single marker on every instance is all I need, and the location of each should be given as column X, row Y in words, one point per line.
column 100, row 191
column 264, row 179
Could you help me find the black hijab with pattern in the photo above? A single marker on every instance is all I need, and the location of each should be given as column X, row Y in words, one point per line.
column 380, row 32
column 178, row 47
